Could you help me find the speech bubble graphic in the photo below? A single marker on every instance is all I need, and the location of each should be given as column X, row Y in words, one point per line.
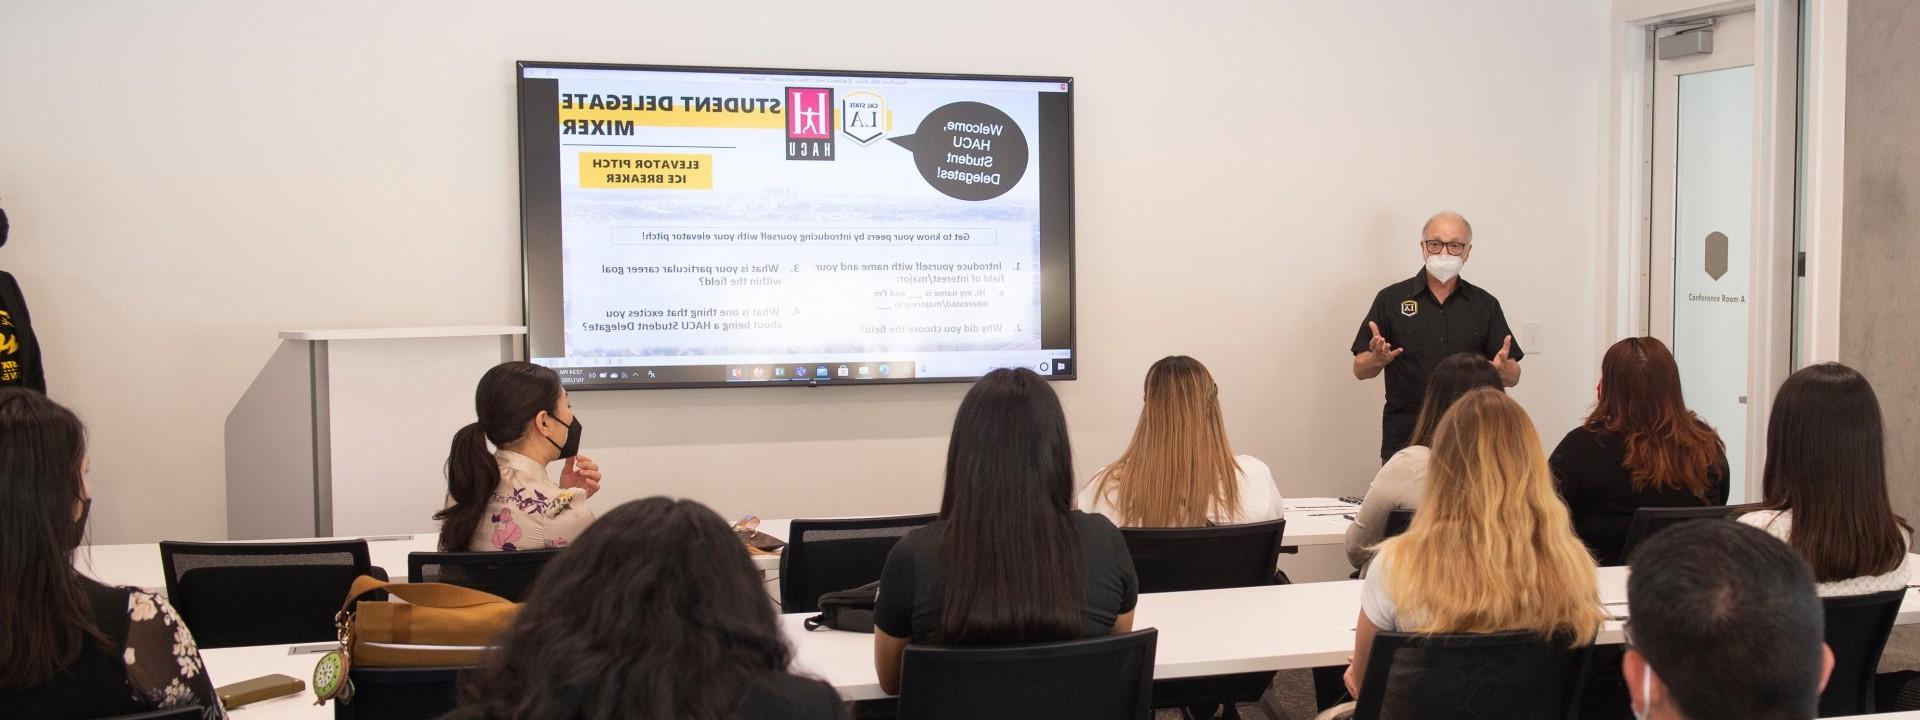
column 968, row 150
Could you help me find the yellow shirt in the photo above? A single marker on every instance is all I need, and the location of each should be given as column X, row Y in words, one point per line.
column 528, row 511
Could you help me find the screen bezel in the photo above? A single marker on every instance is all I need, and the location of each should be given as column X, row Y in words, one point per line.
column 1048, row 273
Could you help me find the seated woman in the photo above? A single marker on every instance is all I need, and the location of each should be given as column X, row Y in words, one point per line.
column 1009, row 561
column 504, row 499
column 1492, row 548
column 1179, row 470
column 71, row 647
column 1640, row 447
column 1826, row 483
column 1402, row 481
column 654, row 612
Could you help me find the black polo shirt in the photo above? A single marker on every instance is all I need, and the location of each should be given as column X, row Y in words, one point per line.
column 1409, row 317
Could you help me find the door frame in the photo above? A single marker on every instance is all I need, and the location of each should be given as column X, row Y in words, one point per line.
column 1625, row 268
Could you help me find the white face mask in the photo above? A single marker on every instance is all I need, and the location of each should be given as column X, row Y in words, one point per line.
column 1646, row 692
column 1444, row 267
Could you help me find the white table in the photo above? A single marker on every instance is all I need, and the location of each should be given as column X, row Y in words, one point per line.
column 1310, row 521
column 1205, row 632
column 138, row 564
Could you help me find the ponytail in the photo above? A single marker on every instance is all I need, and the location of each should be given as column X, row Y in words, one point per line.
column 472, row 475
column 509, row 397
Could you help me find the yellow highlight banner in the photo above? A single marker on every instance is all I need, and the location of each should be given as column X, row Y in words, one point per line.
column 681, row 118
column 646, row 171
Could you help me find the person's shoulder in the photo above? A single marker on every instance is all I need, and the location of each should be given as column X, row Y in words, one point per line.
column 925, row 536
column 1584, row 436
column 1410, row 459
column 1096, row 530
column 1766, row 519
column 780, row 694
column 1476, row 291
column 1402, row 289
column 1092, row 523
column 1253, row 468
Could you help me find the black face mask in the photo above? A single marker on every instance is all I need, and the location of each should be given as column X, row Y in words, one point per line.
column 572, row 447
column 3, row 228
column 80, row 525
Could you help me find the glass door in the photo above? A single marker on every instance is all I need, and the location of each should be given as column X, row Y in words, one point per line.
column 1701, row 224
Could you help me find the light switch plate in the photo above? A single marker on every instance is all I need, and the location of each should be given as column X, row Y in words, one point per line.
column 1532, row 337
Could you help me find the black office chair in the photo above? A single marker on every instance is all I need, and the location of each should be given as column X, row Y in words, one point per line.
column 400, row 693
column 1207, row 558
column 824, row 556
column 1857, row 630
column 1105, row 678
column 235, row 594
column 190, row 712
column 1397, row 523
column 1650, row 520
column 508, row 573
column 1470, row 676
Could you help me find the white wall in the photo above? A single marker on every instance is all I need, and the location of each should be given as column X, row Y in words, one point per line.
column 188, row 177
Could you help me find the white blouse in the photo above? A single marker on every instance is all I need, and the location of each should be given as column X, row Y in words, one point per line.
column 528, row 511
column 1779, row 523
column 1259, row 498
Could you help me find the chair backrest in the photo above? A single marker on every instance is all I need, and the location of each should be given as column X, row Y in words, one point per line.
column 1650, row 520
column 190, row 712
column 1205, row 558
column 1105, row 678
column 233, row 594
column 400, row 693
column 507, row 573
column 1397, row 522
column 1466, row 676
column 1857, row 629
column 824, row 556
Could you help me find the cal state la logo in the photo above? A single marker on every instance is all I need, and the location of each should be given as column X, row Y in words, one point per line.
column 1410, row 308
column 809, row 123
column 864, row 117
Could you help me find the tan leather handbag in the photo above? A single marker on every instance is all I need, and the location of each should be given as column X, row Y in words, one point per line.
column 437, row 625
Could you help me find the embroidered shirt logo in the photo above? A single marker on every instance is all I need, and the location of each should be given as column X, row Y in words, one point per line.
column 1410, row 308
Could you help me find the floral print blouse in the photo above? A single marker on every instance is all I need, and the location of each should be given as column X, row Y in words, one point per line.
column 163, row 663
column 528, row 511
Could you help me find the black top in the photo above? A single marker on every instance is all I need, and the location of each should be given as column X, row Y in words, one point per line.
column 911, row 585
column 19, row 350
column 779, row 695
column 1410, row 317
column 151, row 663
column 1590, row 470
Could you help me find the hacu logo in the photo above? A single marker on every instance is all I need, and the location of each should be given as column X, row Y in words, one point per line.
column 809, row 123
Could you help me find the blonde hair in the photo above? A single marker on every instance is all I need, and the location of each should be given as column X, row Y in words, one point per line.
column 1179, row 469
column 1492, row 548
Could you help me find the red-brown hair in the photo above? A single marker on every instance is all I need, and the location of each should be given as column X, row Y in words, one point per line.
column 1668, row 447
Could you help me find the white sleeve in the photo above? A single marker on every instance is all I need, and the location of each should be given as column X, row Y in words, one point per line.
column 1089, row 501
column 1260, row 498
column 1375, row 599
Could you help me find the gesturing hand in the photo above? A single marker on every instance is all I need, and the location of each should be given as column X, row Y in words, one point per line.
column 1508, row 368
column 581, row 472
column 1382, row 351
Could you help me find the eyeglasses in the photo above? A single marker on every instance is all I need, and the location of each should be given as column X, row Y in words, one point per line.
column 1452, row 248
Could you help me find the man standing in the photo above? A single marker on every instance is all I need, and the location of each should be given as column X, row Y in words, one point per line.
column 1426, row 318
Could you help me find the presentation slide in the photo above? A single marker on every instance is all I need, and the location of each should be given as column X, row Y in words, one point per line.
column 688, row 227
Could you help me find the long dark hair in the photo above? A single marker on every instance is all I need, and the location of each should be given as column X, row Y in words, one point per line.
column 655, row 611
column 510, row 395
column 45, row 614
column 1826, row 462
column 1009, row 553
column 1456, row 374
column 1668, row 447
